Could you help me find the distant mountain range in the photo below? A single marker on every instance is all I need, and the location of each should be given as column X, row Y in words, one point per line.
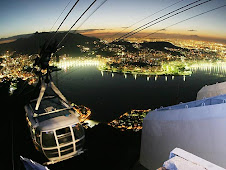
column 192, row 36
column 158, row 45
column 16, row 37
column 31, row 43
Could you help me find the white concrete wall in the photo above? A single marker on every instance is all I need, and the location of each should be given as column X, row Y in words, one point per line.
column 178, row 163
column 198, row 130
column 183, row 160
column 212, row 90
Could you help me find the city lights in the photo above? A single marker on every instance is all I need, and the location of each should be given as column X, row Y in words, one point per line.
column 189, row 57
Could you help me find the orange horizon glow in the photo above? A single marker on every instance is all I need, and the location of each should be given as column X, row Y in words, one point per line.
column 110, row 32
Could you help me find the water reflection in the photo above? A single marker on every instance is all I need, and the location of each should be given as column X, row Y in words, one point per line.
column 125, row 75
column 68, row 63
column 109, row 95
column 156, row 77
column 216, row 69
column 148, row 78
column 112, row 75
column 135, row 76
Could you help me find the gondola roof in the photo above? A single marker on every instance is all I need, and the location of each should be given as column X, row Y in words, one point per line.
column 50, row 104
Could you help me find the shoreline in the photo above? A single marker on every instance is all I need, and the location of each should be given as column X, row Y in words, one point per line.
column 187, row 73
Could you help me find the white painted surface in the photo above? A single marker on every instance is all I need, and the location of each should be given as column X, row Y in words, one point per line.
column 198, row 130
column 178, row 163
column 183, row 160
column 212, row 90
column 58, row 122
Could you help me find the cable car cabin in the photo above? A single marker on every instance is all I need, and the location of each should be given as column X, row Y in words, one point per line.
column 55, row 129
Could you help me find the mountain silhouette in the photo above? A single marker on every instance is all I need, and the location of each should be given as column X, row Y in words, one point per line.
column 33, row 43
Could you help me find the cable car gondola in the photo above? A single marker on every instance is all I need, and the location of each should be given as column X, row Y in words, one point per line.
column 55, row 126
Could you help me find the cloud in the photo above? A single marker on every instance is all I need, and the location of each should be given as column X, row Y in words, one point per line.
column 6, row 41
column 192, row 30
column 193, row 36
column 89, row 30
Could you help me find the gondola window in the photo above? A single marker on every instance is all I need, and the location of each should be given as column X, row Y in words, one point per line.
column 48, row 139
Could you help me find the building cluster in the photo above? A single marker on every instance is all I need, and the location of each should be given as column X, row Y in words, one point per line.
column 130, row 121
column 149, row 61
column 125, row 57
column 144, row 68
column 12, row 68
column 83, row 111
column 200, row 50
column 190, row 49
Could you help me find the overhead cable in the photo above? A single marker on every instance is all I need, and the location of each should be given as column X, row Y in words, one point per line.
column 146, row 18
column 62, row 22
column 60, row 15
column 186, row 19
column 131, row 32
column 91, row 14
column 76, row 22
column 88, row 17
column 145, row 26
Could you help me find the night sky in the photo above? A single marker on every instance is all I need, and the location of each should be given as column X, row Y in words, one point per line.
column 28, row 16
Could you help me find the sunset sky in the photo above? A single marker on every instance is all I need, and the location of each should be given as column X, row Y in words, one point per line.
column 28, row 16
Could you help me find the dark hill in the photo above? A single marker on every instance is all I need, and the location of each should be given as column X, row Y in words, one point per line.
column 128, row 45
column 16, row 37
column 32, row 44
column 159, row 45
column 162, row 46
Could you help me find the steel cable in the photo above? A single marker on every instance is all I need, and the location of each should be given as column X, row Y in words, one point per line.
column 145, row 26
